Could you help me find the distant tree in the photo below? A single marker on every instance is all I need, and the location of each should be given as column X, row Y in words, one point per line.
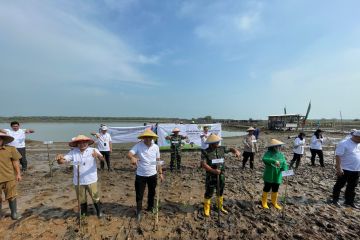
column 208, row 118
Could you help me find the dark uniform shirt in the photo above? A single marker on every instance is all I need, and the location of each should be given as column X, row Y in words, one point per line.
column 210, row 154
column 175, row 143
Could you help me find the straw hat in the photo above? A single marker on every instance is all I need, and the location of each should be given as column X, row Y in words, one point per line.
column 274, row 143
column 75, row 140
column 6, row 138
column 213, row 138
column 176, row 130
column 147, row 133
column 250, row 129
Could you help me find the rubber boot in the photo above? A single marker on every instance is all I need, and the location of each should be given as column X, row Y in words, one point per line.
column 13, row 209
column 219, row 203
column 264, row 200
column 207, row 202
column 274, row 197
column 98, row 209
column 84, row 209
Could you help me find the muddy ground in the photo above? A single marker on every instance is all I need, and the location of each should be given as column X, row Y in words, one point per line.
column 49, row 206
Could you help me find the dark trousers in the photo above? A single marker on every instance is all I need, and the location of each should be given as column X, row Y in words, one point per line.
column 352, row 180
column 23, row 160
column 274, row 187
column 106, row 155
column 315, row 152
column 175, row 159
column 246, row 156
column 211, row 185
column 296, row 159
column 140, row 184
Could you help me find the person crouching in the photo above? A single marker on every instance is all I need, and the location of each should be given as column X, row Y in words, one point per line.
column 275, row 163
column 84, row 157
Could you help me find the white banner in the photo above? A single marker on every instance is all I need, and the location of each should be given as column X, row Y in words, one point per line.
column 126, row 134
column 192, row 131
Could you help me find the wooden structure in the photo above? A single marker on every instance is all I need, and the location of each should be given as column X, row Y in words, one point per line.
column 285, row 122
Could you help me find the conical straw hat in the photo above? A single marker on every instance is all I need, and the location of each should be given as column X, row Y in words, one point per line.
column 274, row 143
column 6, row 138
column 250, row 129
column 176, row 130
column 147, row 133
column 213, row 138
column 75, row 140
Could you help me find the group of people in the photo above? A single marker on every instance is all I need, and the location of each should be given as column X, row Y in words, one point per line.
column 145, row 157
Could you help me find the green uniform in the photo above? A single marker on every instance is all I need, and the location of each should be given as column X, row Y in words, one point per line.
column 175, row 149
column 211, row 179
column 272, row 174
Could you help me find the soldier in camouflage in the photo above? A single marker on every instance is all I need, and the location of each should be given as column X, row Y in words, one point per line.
column 214, row 151
column 175, row 147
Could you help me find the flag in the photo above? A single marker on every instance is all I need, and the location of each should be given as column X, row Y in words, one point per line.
column 285, row 110
column 307, row 112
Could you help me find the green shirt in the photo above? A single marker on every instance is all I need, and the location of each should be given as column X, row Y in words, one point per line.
column 175, row 142
column 209, row 154
column 272, row 174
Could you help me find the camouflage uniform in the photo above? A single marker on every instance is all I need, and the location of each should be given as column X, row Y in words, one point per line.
column 211, row 179
column 175, row 149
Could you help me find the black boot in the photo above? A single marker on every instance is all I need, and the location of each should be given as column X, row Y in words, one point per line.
column 98, row 209
column 13, row 209
column 84, row 209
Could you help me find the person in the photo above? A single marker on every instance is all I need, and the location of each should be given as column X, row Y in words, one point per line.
column 175, row 147
column 203, row 136
column 144, row 156
column 84, row 157
column 250, row 148
column 350, row 134
column 19, row 136
column 347, row 169
column 9, row 173
column 104, row 145
column 316, row 143
column 214, row 151
column 275, row 163
column 298, row 150
column 256, row 132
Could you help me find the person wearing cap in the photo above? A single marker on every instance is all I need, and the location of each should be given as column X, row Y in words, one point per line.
column 250, row 148
column 144, row 156
column 275, row 163
column 9, row 173
column 19, row 136
column 347, row 169
column 316, row 143
column 256, row 132
column 214, row 151
column 175, row 147
column 84, row 157
column 350, row 134
column 298, row 150
column 104, row 145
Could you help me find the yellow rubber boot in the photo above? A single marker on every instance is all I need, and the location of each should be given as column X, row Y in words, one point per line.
column 274, row 197
column 220, row 202
column 264, row 200
column 207, row 202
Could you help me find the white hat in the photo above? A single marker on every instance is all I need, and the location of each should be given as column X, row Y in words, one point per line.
column 356, row 133
column 352, row 131
column 104, row 128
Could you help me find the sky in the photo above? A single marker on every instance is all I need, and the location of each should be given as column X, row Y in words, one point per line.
column 179, row 58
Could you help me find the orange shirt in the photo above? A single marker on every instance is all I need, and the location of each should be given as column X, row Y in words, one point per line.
column 8, row 154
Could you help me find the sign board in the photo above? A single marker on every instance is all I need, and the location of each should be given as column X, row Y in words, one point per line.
column 291, row 125
column 159, row 163
column 48, row 142
column 217, row 161
column 288, row 173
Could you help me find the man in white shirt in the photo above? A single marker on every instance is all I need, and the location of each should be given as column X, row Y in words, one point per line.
column 19, row 136
column 144, row 156
column 84, row 157
column 104, row 145
column 250, row 148
column 316, row 143
column 347, row 169
column 298, row 150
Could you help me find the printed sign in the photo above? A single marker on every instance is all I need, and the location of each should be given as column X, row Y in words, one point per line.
column 48, row 142
column 159, row 163
column 288, row 173
column 217, row 161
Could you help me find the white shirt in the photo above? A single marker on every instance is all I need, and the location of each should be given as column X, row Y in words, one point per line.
column 349, row 153
column 299, row 145
column 103, row 142
column 203, row 140
column 88, row 170
column 147, row 158
column 316, row 143
column 19, row 137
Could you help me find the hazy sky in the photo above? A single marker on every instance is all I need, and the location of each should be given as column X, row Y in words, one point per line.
column 180, row 58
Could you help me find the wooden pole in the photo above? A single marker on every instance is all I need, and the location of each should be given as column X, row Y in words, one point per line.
column 218, row 196
column 78, row 193
column 283, row 210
